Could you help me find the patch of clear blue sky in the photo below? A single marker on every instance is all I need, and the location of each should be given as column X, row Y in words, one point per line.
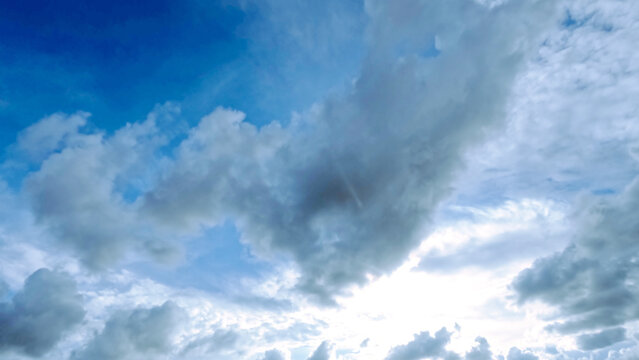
column 117, row 59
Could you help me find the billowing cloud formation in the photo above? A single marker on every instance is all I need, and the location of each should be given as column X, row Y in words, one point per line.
column 41, row 313
column 601, row 339
column 324, row 190
column 323, row 352
column 424, row 346
column 591, row 281
column 139, row 333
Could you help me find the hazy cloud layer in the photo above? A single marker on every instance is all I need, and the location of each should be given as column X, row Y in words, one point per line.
column 40, row 314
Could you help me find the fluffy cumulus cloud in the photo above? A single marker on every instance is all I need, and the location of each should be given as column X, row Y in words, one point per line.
column 139, row 333
column 40, row 314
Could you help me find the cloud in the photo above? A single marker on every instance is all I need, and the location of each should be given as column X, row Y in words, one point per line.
column 137, row 333
column 572, row 121
column 323, row 352
column 424, row 346
column 601, row 339
column 516, row 354
column 220, row 342
column 273, row 355
column 49, row 134
column 590, row 281
column 39, row 315
column 80, row 192
column 481, row 351
column 322, row 191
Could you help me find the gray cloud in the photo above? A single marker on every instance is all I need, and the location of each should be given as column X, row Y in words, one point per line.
column 590, row 282
column 141, row 332
column 424, row 346
column 601, row 339
column 323, row 352
column 41, row 313
column 348, row 189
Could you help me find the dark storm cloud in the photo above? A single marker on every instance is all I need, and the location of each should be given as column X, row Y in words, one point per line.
column 601, row 339
column 41, row 313
column 424, row 346
column 591, row 281
column 140, row 333
column 348, row 189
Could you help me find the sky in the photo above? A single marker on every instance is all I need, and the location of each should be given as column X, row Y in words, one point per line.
column 315, row 180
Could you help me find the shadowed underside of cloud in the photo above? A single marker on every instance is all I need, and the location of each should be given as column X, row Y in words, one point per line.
column 140, row 333
column 41, row 313
column 592, row 281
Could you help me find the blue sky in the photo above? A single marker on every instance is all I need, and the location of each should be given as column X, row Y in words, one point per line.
column 303, row 180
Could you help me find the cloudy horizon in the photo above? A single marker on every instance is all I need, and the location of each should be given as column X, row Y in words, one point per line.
column 301, row 180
